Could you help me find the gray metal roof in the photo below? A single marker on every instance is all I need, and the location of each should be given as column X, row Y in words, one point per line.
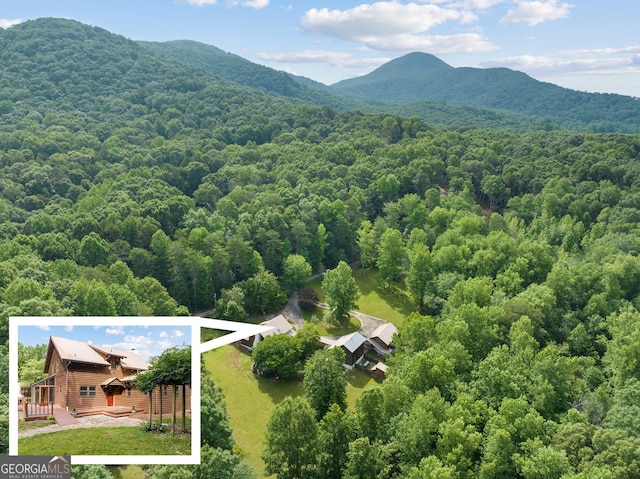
column 77, row 351
column 128, row 360
column 385, row 333
column 351, row 342
column 280, row 325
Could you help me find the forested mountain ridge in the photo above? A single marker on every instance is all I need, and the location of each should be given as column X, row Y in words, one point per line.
column 423, row 77
column 155, row 188
column 235, row 68
column 422, row 84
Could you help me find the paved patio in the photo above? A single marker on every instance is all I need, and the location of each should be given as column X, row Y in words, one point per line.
column 97, row 420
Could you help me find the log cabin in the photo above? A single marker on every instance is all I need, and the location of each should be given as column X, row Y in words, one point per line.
column 279, row 325
column 86, row 376
column 353, row 345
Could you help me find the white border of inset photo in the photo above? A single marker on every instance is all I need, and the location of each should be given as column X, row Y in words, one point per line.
column 90, row 321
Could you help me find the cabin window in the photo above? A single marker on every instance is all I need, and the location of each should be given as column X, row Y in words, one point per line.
column 114, row 366
column 166, row 390
column 87, row 390
column 128, row 391
column 60, row 389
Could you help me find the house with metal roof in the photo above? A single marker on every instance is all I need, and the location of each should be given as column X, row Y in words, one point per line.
column 278, row 324
column 380, row 340
column 85, row 376
column 353, row 346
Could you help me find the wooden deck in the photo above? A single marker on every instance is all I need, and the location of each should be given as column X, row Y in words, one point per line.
column 111, row 411
column 33, row 412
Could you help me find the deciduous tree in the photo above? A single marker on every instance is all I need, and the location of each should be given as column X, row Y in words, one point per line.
column 291, row 441
column 340, row 290
column 325, row 381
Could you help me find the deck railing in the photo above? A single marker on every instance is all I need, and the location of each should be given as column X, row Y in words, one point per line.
column 36, row 410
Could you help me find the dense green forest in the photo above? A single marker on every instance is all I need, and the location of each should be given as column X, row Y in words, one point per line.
column 131, row 184
column 421, row 84
column 420, row 77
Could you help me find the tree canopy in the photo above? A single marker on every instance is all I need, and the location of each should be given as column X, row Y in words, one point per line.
column 134, row 184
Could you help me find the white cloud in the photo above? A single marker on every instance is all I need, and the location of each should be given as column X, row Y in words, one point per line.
column 560, row 64
column 307, row 56
column 140, row 345
column 201, row 3
column 163, row 334
column 480, row 4
column 335, row 59
column 603, row 51
column 535, row 12
column 163, row 344
column 6, row 23
column 43, row 327
column 118, row 330
column 177, row 333
column 598, row 70
column 434, row 44
column 68, row 329
column 380, row 19
column 257, row 4
column 135, row 341
column 398, row 27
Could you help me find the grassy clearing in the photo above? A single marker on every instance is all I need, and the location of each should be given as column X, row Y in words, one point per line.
column 26, row 425
column 330, row 329
column 391, row 304
column 250, row 400
column 127, row 472
column 357, row 382
column 105, row 441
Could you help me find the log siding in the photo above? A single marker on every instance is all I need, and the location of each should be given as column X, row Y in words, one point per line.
column 83, row 385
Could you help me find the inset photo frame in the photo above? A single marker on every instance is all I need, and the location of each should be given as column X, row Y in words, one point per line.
column 108, row 372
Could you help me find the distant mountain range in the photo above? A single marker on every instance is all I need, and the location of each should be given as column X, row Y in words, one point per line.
column 415, row 84
column 422, row 84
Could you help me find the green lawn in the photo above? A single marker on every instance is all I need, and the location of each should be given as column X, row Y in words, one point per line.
column 25, row 425
column 250, row 400
column 391, row 304
column 127, row 472
column 330, row 329
column 105, row 441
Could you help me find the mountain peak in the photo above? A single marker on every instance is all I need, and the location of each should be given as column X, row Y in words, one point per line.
column 412, row 65
column 417, row 62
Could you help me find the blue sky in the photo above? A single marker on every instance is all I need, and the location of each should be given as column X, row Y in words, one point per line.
column 146, row 341
column 586, row 45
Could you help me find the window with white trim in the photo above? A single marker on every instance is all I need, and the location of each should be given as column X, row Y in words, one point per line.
column 87, row 391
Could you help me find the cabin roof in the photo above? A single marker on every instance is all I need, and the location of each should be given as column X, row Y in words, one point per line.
column 80, row 352
column 351, row 342
column 75, row 351
column 279, row 324
column 128, row 360
column 385, row 333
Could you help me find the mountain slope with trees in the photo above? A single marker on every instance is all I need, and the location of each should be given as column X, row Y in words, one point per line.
column 423, row 77
column 237, row 69
column 135, row 185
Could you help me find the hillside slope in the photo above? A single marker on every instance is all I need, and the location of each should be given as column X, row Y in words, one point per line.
column 237, row 69
column 420, row 77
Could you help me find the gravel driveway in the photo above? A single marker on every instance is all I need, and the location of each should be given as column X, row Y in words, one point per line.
column 97, row 420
